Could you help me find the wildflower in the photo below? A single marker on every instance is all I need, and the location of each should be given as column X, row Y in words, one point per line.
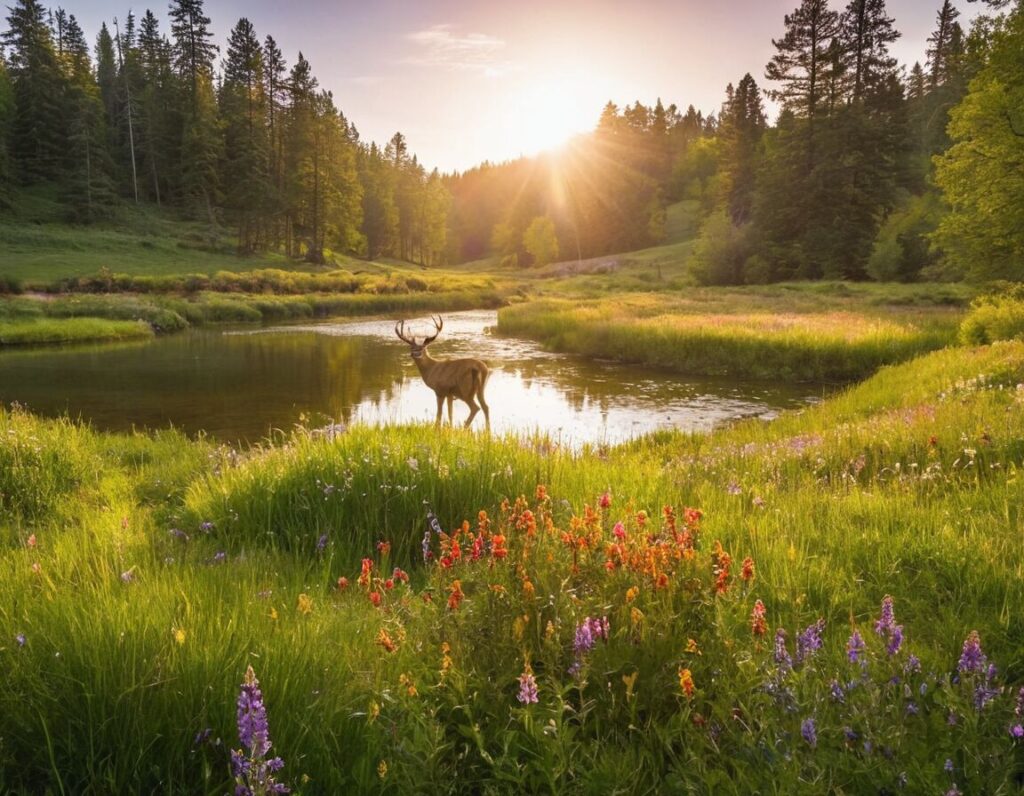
column 31, row 542
column 385, row 641
column 206, row 527
column 782, row 657
column 273, row 614
column 128, row 575
column 606, row 501
column 836, row 691
column 305, row 604
column 527, row 687
column 809, row 641
column 389, row 584
column 375, row 598
column 384, row 548
column 528, row 589
column 455, row 595
column 179, row 636
column 373, row 712
column 691, row 647
column 855, row 647
column 405, row 680
column 321, row 543
column 972, row 659
column 747, row 571
column 254, row 773
column 382, row 769
column 636, row 616
column 734, row 489
column 895, row 640
column 498, row 549
column 342, row 583
column 948, row 766
column 365, row 572
column 619, row 531
column 629, row 680
column 1017, row 731
column 809, row 731
column 541, row 494
column 20, row 638
column 178, row 534
column 912, row 709
column 954, row 791
column 446, row 659
column 632, row 593
column 758, row 624
column 425, row 546
column 686, row 684
column 220, row 557
column 886, row 621
column 912, row 665
column 36, row 569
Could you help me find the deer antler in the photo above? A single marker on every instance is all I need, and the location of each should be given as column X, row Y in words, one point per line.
column 438, row 326
column 400, row 331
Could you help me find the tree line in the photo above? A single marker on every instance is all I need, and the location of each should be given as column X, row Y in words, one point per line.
column 147, row 117
column 871, row 170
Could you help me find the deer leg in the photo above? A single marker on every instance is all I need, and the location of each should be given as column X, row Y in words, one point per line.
column 451, row 409
column 473, row 409
column 440, row 405
column 483, row 404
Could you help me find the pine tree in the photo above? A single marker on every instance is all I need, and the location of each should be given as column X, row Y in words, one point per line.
column 89, row 190
column 867, row 31
column 916, row 83
column 38, row 138
column 246, row 145
column 801, row 61
column 302, row 174
column 380, row 213
column 6, row 122
column 159, row 123
column 194, row 50
column 742, row 123
column 944, row 45
column 106, row 74
column 276, row 92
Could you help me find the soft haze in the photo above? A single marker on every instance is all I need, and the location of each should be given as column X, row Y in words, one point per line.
column 468, row 81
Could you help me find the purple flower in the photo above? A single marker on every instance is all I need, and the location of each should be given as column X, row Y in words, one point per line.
column 895, row 640
column 809, row 641
column 527, row 688
column 912, row 709
column 321, row 543
column 584, row 639
column 734, row 489
column 849, row 734
column 20, row 638
column 954, row 791
column 782, row 657
column 1017, row 731
column 855, row 647
column 206, row 527
column 202, row 736
column 913, row 664
column 1018, row 709
column 887, row 620
column 948, row 766
column 972, row 659
column 809, row 731
column 836, row 690
column 253, row 772
column 220, row 557
column 178, row 534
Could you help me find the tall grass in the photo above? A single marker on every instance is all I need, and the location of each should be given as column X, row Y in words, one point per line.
column 838, row 346
column 74, row 330
column 138, row 620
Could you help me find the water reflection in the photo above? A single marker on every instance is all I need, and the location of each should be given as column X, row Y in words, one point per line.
column 238, row 385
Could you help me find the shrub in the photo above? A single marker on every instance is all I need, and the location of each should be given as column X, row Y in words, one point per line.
column 994, row 317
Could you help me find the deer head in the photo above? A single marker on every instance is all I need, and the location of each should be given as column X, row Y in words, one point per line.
column 419, row 349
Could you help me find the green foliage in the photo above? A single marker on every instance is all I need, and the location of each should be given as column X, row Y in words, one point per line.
column 983, row 234
column 73, row 330
column 540, row 242
column 721, row 250
column 902, row 250
column 996, row 316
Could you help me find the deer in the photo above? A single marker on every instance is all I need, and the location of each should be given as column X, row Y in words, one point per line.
column 449, row 378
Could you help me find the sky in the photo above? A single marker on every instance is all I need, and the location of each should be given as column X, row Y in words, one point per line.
column 472, row 81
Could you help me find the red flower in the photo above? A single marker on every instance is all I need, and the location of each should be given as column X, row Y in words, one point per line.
column 375, row 597
column 342, row 583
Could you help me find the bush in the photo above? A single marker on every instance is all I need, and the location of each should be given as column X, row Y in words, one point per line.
column 994, row 317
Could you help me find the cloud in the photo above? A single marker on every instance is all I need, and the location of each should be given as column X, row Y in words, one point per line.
column 441, row 46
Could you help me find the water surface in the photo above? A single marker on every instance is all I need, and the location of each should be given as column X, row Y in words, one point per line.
column 239, row 385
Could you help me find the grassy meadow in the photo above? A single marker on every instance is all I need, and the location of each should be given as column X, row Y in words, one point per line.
column 140, row 576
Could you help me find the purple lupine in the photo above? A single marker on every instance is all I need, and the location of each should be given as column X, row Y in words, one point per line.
column 809, row 731
column 782, row 657
column 178, row 534
column 855, row 647
column 887, row 620
column 809, row 641
column 254, row 773
column 913, row 664
column 948, row 766
column 972, row 659
column 206, row 527
column 1017, row 731
column 836, row 691
column 912, row 709
column 321, row 543
column 583, row 641
column 527, row 688
column 986, row 691
column 895, row 640
column 587, row 633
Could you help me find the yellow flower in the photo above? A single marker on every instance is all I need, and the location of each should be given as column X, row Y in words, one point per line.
column 373, row 712
column 636, row 616
column 446, row 659
column 692, row 648
column 273, row 614
column 630, row 681
column 549, row 631
column 405, row 680
column 179, row 636
column 382, row 769
column 632, row 593
column 305, row 604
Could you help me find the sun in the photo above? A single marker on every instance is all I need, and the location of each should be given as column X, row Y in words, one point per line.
column 550, row 112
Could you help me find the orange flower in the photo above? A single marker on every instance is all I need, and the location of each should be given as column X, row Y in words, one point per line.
column 342, row 583
column 455, row 595
column 747, row 573
column 541, row 494
column 528, row 589
column 632, row 593
column 384, row 640
column 758, row 624
column 498, row 546
column 686, row 682
column 375, row 597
